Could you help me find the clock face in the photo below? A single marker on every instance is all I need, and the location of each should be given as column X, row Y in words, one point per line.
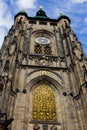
column 42, row 40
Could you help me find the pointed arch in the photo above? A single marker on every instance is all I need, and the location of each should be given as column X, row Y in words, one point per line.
column 44, row 107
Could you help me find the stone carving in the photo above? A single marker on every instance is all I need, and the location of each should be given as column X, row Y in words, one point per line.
column 27, row 40
column 15, row 39
column 4, row 77
column 53, row 127
column 85, row 73
column 5, row 52
column 78, row 50
column 12, row 48
column 78, row 53
column 36, row 127
column 22, row 32
column 43, row 62
column 6, row 67
column 10, row 32
column 24, row 61
column 17, row 26
column 45, row 127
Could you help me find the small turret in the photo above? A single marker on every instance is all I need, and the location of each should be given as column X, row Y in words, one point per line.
column 22, row 12
column 40, row 13
column 62, row 16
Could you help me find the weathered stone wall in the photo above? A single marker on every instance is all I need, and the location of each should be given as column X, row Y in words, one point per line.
column 22, row 70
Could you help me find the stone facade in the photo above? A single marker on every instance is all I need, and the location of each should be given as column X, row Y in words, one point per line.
column 42, row 55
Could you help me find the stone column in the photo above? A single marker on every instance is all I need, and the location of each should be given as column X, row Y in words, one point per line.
column 59, row 44
column 19, row 112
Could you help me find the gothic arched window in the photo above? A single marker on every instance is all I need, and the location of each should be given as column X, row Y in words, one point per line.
column 38, row 49
column 43, row 49
column 47, row 50
column 44, row 107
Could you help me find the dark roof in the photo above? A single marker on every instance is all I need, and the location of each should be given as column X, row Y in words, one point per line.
column 41, row 15
column 21, row 13
column 64, row 17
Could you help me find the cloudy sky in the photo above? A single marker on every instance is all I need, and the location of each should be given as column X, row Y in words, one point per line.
column 76, row 10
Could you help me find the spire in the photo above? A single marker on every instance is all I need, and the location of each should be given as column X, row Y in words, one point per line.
column 60, row 14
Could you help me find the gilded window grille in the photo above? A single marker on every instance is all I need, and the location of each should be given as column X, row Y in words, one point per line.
column 38, row 49
column 47, row 50
column 44, row 108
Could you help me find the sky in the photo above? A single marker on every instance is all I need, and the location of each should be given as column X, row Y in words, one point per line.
column 76, row 10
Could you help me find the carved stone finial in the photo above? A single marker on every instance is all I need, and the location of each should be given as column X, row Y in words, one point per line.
column 41, row 7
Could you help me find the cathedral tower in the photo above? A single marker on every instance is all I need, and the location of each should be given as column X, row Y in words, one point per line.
column 43, row 75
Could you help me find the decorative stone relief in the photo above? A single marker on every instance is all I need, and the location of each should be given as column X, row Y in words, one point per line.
column 45, row 126
column 4, row 53
column 85, row 73
column 53, row 127
column 12, row 48
column 24, row 61
column 27, row 40
column 43, row 60
column 78, row 53
column 36, row 127
column 15, row 39
column 22, row 32
column 6, row 67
